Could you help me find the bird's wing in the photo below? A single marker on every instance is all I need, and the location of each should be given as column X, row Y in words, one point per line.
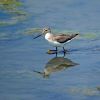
column 64, row 38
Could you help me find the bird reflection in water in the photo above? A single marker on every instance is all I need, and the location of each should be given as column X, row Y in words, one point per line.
column 56, row 64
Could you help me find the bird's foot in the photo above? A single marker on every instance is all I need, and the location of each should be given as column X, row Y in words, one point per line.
column 56, row 52
column 65, row 51
column 51, row 51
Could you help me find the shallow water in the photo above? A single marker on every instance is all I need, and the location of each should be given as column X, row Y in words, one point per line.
column 21, row 56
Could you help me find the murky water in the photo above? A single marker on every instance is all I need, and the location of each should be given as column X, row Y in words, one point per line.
column 23, row 60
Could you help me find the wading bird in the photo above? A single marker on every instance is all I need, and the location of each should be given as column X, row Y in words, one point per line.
column 57, row 40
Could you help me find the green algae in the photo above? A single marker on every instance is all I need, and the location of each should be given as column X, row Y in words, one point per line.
column 10, row 2
column 88, row 91
column 12, row 8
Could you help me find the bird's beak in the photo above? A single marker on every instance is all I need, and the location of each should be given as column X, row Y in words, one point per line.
column 38, row 36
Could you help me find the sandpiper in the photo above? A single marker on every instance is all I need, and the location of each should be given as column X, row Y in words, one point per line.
column 57, row 40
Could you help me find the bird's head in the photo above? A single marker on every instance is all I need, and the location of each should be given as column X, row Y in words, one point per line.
column 44, row 31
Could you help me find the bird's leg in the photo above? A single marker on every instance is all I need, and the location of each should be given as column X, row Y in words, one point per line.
column 64, row 51
column 56, row 51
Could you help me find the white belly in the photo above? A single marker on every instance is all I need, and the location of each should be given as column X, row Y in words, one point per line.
column 48, row 37
column 55, row 43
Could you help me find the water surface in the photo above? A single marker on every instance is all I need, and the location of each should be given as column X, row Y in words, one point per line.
column 20, row 55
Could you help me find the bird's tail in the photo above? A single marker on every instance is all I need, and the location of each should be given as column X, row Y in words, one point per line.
column 73, row 36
